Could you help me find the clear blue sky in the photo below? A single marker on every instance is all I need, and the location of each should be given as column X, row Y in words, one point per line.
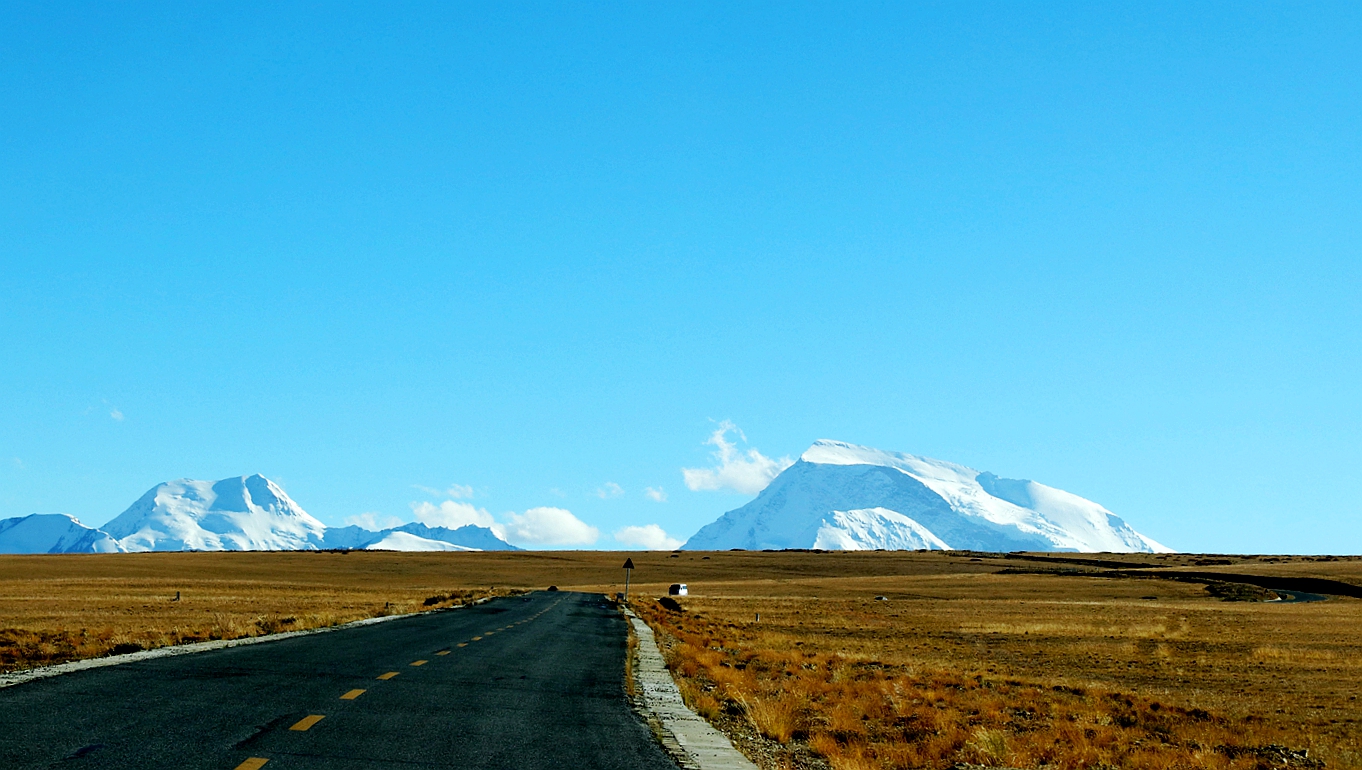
column 540, row 249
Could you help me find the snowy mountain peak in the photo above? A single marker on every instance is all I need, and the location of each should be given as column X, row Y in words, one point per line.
column 245, row 513
column 53, row 533
column 828, row 452
column 845, row 496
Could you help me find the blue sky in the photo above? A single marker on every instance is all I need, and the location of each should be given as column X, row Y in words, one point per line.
column 416, row 257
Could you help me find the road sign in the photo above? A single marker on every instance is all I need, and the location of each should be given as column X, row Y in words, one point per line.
column 628, row 567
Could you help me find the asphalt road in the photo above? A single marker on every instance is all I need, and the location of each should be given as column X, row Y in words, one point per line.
column 512, row 683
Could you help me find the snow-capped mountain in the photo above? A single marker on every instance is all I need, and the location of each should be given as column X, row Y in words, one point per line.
column 53, row 533
column 246, row 513
column 469, row 536
column 393, row 540
column 870, row 528
column 847, row 497
column 406, row 537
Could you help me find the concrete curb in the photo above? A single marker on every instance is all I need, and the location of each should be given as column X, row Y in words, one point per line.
column 691, row 741
column 20, row 677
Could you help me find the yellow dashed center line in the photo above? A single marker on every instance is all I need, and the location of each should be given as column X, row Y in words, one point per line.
column 307, row 722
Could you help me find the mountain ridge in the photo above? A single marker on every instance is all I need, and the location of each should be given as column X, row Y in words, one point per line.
column 243, row 513
column 843, row 494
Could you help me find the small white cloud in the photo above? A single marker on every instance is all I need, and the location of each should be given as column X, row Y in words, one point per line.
column 116, row 415
column 748, row 473
column 556, row 492
column 657, row 494
column 549, row 526
column 453, row 514
column 650, row 537
column 372, row 521
column 455, row 491
column 611, row 489
column 18, row 463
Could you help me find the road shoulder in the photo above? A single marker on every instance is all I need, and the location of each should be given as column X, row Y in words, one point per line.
column 687, row 737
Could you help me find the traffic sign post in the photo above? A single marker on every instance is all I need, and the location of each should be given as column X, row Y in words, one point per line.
column 628, row 568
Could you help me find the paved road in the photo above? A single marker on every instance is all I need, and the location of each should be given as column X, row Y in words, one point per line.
column 512, row 683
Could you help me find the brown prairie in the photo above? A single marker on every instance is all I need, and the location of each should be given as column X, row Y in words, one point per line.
column 960, row 662
column 956, row 665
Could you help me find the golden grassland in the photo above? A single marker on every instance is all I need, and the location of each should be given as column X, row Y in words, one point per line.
column 1023, row 670
column 55, row 608
column 957, row 664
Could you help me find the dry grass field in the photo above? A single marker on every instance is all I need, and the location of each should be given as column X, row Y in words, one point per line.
column 957, row 665
column 960, row 662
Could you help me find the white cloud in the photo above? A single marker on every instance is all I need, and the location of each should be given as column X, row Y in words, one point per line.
column 545, row 526
column 459, row 491
column 657, row 494
column 116, row 415
column 549, row 526
column 453, row 514
column 373, row 521
column 748, row 473
column 455, row 491
column 650, row 537
column 19, row 464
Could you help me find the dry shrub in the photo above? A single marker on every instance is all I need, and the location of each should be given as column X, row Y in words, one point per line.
column 700, row 701
column 776, row 716
column 854, row 759
column 989, row 746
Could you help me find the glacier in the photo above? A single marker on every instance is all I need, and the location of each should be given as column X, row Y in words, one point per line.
column 244, row 513
column 841, row 496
